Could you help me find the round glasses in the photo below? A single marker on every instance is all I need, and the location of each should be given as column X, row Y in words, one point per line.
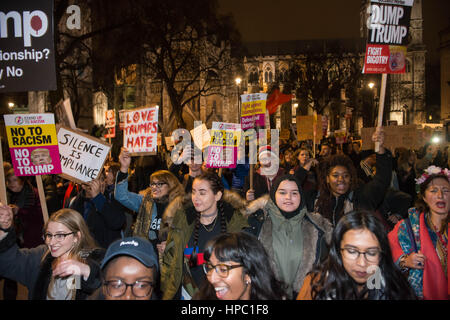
column 221, row 269
column 58, row 236
column 117, row 288
column 371, row 255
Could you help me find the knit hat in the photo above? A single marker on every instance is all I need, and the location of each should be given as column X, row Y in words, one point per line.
column 266, row 154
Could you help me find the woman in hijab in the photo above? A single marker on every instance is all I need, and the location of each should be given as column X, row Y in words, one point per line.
column 294, row 238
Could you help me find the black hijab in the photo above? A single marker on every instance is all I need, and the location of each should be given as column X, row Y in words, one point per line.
column 274, row 189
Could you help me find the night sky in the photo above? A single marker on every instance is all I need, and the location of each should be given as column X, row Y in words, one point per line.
column 271, row 20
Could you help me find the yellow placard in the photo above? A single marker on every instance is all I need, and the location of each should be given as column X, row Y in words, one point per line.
column 32, row 136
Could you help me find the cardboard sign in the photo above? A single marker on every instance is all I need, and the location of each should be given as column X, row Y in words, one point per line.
column 201, row 136
column 285, row 134
column 82, row 156
column 407, row 136
column 340, row 136
column 225, row 139
column 253, row 110
column 140, row 131
column 27, row 57
column 63, row 114
column 305, row 128
column 33, row 144
column 388, row 25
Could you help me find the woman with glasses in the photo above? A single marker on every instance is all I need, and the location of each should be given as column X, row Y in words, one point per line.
column 150, row 203
column 210, row 211
column 67, row 267
column 236, row 268
column 359, row 265
column 130, row 270
column 420, row 242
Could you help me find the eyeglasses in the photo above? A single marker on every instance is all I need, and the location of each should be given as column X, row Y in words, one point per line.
column 58, row 236
column 157, row 184
column 371, row 255
column 221, row 269
column 117, row 288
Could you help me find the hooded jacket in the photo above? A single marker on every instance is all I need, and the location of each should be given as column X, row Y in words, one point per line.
column 316, row 232
column 179, row 218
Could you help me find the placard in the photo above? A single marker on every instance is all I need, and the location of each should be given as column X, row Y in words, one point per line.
column 33, row 144
column 82, row 156
column 27, row 57
column 64, row 115
column 253, row 110
column 406, row 136
column 110, row 123
column 140, row 131
column 201, row 136
column 305, row 128
column 388, row 26
column 222, row 151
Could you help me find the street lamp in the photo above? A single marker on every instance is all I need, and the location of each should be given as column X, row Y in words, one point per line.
column 238, row 82
column 371, row 85
column 11, row 105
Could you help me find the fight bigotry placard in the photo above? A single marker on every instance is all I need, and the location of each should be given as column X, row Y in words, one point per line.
column 33, row 144
column 82, row 156
column 253, row 110
column 27, row 57
column 222, row 151
column 140, row 131
column 388, row 26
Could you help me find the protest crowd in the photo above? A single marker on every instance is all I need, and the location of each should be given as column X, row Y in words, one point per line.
column 321, row 222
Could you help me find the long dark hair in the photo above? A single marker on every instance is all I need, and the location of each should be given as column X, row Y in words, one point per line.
column 420, row 202
column 216, row 186
column 323, row 204
column 247, row 250
column 330, row 280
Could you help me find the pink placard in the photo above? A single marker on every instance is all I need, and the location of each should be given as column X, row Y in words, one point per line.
column 33, row 161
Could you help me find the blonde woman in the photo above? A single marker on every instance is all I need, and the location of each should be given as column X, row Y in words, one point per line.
column 150, row 203
column 66, row 267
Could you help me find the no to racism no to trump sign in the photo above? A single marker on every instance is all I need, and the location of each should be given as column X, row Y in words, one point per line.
column 33, row 144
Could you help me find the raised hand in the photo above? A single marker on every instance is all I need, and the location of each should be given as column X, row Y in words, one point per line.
column 6, row 216
column 124, row 160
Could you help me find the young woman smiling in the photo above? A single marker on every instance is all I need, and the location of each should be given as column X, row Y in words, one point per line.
column 420, row 242
column 210, row 211
column 339, row 190
column 67, row 267
column 294, row 238
column 236, row 268
column 359, row 265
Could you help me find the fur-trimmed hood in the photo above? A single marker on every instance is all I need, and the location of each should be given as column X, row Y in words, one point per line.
column 265, row 203
column 231, row 199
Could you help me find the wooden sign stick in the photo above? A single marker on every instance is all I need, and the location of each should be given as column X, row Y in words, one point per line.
column 251, row 176
column 3, row 197
column 42, row 198
column 381, row 106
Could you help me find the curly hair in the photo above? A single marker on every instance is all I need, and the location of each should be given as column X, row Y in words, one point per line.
column 323, row 204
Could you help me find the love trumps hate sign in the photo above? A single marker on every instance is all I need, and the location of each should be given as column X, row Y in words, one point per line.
column 140, row 131
column 33, row 144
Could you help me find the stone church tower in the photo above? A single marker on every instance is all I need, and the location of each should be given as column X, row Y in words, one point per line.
column 405, row 93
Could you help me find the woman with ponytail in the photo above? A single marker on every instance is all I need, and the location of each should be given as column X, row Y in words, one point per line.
column 210, row 211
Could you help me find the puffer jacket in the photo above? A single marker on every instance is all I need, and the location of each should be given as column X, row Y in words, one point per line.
column 316, row 236
column 179, row 217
